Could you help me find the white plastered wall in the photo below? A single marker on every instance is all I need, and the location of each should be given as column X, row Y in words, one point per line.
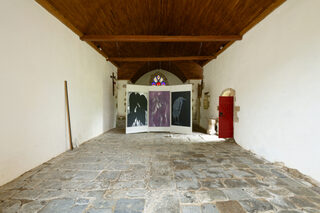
column 37, row 54
column 275, row 71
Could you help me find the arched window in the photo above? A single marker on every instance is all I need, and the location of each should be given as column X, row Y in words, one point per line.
column 158, row 79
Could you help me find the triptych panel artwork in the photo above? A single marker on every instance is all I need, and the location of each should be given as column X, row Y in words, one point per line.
column 159, row 110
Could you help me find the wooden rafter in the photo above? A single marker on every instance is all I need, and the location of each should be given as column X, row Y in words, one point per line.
column 160, row 38
column 145, row 59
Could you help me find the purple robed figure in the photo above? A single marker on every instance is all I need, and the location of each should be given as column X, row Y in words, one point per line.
column 159, row 109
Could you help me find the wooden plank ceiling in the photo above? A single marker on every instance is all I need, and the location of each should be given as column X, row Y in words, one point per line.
column 180, row 36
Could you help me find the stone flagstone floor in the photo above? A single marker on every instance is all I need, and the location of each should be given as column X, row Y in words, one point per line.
column 158, row 172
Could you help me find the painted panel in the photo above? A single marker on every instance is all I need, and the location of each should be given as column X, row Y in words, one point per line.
column 181, row 109
column 159, row 109
column 137, row 111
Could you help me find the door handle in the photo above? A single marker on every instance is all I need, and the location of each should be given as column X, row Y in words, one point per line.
column 220, row 114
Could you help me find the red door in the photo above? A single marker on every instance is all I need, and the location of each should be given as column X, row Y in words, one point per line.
column 225, row 117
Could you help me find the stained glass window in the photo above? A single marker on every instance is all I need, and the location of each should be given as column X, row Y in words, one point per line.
column 158, row 80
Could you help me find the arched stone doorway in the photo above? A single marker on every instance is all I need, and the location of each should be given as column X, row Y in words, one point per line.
column 228, row 92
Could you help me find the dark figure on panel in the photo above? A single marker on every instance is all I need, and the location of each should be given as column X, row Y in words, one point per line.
column 137, row 110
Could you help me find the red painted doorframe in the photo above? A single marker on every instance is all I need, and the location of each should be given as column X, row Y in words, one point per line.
column 226, row 117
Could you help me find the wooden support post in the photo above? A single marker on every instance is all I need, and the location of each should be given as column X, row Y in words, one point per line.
column 68, row 113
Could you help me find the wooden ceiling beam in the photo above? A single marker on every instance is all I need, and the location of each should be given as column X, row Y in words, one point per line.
column 146, row 59
column 159, row 38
